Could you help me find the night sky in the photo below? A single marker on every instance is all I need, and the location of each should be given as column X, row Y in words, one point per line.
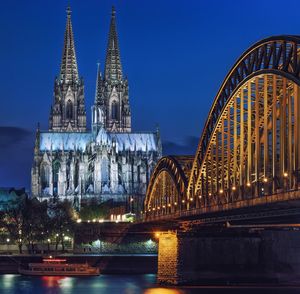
column 175, row 54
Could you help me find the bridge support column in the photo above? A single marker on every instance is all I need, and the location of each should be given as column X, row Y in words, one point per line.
column 228, row 256
column 167, row 271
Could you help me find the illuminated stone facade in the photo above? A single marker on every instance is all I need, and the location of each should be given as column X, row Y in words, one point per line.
column 108, row 162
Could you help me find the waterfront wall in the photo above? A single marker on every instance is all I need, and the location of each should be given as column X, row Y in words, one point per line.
column 134, row 246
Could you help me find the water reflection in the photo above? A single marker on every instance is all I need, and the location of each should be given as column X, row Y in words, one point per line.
column 117, row 284
column 164, row 291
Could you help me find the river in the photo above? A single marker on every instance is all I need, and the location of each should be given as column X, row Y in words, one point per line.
column 119, row 284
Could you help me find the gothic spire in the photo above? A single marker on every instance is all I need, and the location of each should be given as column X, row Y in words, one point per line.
column 98, row 85
column 113, row 67
column 68, row 68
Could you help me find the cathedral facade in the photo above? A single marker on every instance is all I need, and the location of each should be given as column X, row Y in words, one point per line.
column 107, row 162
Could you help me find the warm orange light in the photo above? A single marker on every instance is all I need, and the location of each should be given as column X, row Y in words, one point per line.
column 248, row 184
column 53, row 260
column 285, row 174
column 175, row 203
column 221, row 191
column 191, row 199
column 265, row 180
column 169, row 205
column 183, row 201
column 157, row 234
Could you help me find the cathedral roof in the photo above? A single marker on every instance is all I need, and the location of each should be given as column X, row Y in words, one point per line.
column 57, row 141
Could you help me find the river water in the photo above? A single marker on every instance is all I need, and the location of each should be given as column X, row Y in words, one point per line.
column 118, row 284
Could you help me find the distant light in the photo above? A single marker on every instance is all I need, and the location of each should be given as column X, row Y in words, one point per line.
column 94, row 220
column 209, row 194
column 158, row 207
column 191, row 199
column 153, row 208
column 175, row 203
column 79, row 220
column 164, row 206
column 265, row 180
column 233, row 188
column 248, row 184
column 200, row 196
column 285, row 174
column 117, row 221
column 88, row 221
column 131, row 199
column 221, row 191
column 49, row 240
column 101, row 220
column 169, row 204
column 7, row 240
column 183, row 201
column 157, row 234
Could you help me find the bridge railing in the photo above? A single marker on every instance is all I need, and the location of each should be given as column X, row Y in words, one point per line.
column 246, row 203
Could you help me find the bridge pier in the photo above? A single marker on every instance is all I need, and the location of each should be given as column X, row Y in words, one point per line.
column 228, row 256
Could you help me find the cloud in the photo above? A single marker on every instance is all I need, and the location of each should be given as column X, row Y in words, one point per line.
column 12, row 135
column 187, row 147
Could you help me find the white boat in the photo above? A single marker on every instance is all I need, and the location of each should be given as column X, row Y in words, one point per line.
column 59, row 267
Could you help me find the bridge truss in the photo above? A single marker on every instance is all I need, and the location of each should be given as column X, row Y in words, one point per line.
column 249, row 151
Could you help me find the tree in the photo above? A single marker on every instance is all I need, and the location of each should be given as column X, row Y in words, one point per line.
column 62, row 217
column 24, row 221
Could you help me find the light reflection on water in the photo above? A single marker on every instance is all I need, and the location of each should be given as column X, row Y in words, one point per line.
column 116, row 284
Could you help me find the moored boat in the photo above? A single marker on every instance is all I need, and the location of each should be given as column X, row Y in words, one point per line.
column 58, row 267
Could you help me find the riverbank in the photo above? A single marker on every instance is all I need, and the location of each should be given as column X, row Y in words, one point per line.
column 108, row 264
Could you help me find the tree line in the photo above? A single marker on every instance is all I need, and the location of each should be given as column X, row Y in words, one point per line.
column 27, row 221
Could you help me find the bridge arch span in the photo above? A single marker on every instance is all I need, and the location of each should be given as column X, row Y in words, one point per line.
column 277, row 55
column 168, row 185
column 249, row 151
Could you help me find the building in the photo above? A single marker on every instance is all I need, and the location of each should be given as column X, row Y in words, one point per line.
column 109, row 161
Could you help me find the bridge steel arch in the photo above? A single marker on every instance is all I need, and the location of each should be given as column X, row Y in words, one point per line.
column 168, row 185
column 249, row 147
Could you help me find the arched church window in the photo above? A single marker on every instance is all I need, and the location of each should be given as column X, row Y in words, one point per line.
column 69, row 110
column 114, row 110
column 55, row 168
column 104, row 171
column 45, row 176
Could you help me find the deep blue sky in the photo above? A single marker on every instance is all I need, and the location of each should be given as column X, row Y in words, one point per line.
column 175, row 54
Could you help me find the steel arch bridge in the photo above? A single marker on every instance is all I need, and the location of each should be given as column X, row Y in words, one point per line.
column 249, row 151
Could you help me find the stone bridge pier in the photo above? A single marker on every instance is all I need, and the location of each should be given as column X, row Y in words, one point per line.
column 229, row 256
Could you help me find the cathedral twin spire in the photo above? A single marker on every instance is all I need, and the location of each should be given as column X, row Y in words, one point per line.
column 111, row 109
column 69, row 68
column 113, row 67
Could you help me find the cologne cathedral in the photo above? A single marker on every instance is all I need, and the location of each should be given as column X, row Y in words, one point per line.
column 107, row 162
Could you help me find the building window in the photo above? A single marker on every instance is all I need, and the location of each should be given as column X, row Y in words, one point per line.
column 45, row 175
column 69, row 110
column 114, row 110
